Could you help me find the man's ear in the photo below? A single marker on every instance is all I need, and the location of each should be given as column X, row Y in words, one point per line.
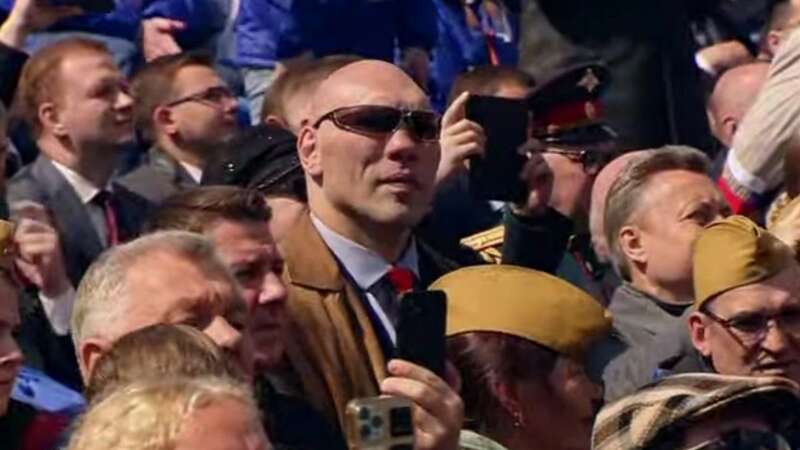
column 50, row 119
column 308, row 151
column 630, row 242
column 774, row 39
column 729, row 126
column 89, row 353
column 163, row 120
column 698, row 331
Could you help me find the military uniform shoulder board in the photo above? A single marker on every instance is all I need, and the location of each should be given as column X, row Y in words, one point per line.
column 487, row 243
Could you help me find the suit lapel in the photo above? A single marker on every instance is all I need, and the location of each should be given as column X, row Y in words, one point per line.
column 80, row 241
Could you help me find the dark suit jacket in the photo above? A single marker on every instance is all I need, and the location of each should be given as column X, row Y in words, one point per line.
column 41, row 182
column 157, row 179
column 11, row 62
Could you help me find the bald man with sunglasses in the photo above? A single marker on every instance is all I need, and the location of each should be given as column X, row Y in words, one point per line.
column 370, row 152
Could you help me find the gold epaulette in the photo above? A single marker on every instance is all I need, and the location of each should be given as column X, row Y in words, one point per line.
column 487, row 243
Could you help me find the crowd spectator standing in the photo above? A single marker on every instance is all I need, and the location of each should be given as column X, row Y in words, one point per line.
column 261, row 304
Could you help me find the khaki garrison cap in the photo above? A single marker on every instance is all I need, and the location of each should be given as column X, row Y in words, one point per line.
column 524, row 303
column 735, row 252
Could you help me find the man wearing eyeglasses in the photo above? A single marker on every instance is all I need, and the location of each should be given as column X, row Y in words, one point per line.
column 747, row 301
column 186, row 111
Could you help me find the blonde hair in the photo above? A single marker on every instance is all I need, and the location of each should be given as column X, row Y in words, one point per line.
column 157, row 351
column 150, row 415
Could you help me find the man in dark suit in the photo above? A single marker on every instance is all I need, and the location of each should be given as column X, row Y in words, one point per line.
column 75, row 100
column 187, row 111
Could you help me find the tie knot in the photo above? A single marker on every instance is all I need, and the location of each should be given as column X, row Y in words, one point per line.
column 102, row 197
column 401, row 278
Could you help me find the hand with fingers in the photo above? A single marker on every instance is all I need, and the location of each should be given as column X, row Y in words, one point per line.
column 158, row 37
column 438, row 410
column 28, row 16
column 538, row 177
column 39, row 257
column 460, row 140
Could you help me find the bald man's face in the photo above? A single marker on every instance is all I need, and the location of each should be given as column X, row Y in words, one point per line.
column 377, row 178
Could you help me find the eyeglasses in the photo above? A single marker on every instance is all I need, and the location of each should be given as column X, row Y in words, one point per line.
column 751, row 329
column 592, row 161
column 213, row 96
column 745, row 440
column 375, row 119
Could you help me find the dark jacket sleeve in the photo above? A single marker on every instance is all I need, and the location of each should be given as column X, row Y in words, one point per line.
column 11, row 62
column 539, row 242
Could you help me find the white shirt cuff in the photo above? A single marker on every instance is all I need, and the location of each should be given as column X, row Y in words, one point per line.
column 59, row 310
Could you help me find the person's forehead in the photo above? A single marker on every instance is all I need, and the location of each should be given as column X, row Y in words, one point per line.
column 369, row 83
column 88, row 65
column 240, row 232
column 194, row 77
column 674, row 188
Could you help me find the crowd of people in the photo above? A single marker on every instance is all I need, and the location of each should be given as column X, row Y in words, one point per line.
column 215, row 214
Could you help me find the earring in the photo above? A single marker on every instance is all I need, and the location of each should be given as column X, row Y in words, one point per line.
column 517, row 416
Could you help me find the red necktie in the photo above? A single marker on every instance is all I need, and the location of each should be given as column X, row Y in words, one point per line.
column 402, row 279
column 103, row 199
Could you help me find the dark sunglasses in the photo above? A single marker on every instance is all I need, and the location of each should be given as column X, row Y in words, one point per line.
column 745, row 440
column 214, row 96
column 375, row 119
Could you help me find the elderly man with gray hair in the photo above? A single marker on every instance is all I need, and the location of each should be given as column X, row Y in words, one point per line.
column 171, row 277
column 655, row 210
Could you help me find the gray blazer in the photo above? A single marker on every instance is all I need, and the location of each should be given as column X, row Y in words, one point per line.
column 158, row 178
column 41, row 182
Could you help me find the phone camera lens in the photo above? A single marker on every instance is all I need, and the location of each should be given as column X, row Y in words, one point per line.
column 401, row 423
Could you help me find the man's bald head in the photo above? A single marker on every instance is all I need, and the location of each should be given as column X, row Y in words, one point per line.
column 368, row 181
column 733, row 95
column 365, row 80
column 602, row 184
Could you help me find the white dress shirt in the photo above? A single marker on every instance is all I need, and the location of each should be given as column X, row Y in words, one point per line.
column 194, row 172
column 367, row 267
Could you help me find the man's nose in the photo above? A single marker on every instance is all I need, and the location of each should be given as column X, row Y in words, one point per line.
column 776, row 340
column 403, row 146
column 273, row 291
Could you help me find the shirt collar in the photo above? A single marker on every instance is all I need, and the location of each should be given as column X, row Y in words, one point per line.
column 364, row 265
column 194, row 172
column 85, row 189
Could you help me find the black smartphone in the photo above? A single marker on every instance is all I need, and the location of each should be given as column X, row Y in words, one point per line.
column 88, row 6
column 505, row 123
column 421, row 329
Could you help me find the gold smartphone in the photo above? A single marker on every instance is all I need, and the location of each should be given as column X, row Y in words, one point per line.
column 380, row 423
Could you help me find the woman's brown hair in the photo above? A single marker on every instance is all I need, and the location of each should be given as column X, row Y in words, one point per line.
column 485, row 359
